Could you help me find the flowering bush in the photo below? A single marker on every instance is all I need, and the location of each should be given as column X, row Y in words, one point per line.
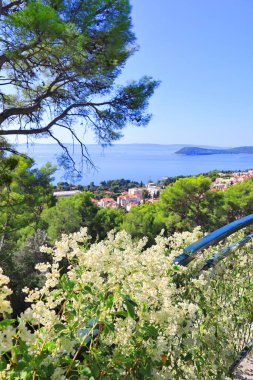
column 118, row 310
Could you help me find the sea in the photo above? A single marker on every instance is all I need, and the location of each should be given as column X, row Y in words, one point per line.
column 139, row 162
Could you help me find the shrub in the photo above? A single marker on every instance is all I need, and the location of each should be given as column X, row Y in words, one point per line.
column 123, row 311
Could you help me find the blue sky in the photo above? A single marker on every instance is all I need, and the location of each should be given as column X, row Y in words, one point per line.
column 202, row 51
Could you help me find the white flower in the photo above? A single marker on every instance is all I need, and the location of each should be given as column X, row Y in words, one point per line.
column 58, row 374
column 6, row 337
column 5, row 306
column 42, row 267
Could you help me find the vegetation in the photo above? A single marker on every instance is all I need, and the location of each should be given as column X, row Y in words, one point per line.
column 123, row 311
column 25, row 192
column 189, row 203
column 190, row 151
column 31, row 217
column 238, row 200
column 59, row 61
column 77, row 300
column 23, row 272
column 112, row 187
column 184, row 204
column 112, row 305
column 71, row 213
column 145, row 220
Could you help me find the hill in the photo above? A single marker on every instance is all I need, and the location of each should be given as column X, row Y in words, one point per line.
column 196, row 151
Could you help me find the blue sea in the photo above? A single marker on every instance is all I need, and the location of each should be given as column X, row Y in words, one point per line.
column 140, row 162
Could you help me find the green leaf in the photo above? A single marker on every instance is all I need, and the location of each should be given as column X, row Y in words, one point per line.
column 5, row 323
column 87, row 289
column 85, row 371
column 188, row 356
column 130, row 309
column 109, row 301
column 56, row 293
column 3, row 363
column 201, row 330
column 22, row 364
column 67, row 284
column 59, row 327
column 108, row 326
column 151, row 331
column 24, row 375
column 122, row 314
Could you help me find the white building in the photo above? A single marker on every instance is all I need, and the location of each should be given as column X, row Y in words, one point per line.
column 124, row 200
column 66, row 193
column 107, row 202
column 135, row 191
column 153, row 190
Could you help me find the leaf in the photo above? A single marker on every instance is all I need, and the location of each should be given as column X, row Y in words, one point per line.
column 84, row 371
column 108, row 326
column 67, row 284
column 151, row 331
column 122, row 314
column 3, row 363
column 201, row 330
column 188, row 356
column 130, row 309
column 109, row 301
column 22, row 364
column 59, row 327
column 5, row 323
column 87, row 289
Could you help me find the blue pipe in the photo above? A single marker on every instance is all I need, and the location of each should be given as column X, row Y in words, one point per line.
column 213, row 238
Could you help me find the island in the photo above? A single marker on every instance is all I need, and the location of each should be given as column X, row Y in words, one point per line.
column 196, row 151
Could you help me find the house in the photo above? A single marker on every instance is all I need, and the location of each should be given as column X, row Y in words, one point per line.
column 126, row 199
column 107, row 202
column 135, row 191
column 153, row 189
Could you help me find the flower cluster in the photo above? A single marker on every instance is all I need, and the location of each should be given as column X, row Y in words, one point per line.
column 5, row 306
column 119, row 310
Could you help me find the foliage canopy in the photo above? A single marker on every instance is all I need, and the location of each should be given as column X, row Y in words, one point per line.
column 24, row 192
column 58, row 64
column 189, row 203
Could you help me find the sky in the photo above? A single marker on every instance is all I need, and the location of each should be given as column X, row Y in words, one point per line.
column 201, row 51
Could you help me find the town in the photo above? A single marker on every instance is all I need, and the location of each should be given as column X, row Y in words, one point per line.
column 134, row 196
column 225, row 180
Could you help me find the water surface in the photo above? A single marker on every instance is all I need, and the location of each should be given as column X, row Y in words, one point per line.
column 140, row 162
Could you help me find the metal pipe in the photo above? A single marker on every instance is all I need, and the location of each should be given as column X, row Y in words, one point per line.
column 213, row 238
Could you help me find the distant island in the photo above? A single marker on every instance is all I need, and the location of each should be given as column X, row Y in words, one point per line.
column 195, row 151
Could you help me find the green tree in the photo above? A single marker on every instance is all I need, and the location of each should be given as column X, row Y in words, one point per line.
column 24, row 192
column 144, row 220
column 63, row 186
column 238, row 200
column 108, row 219
column 189, row 202
column 61, row 59
column 24, row 272
column 69, row 215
